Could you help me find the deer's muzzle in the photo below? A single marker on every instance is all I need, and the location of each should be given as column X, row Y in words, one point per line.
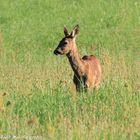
column 56, row 52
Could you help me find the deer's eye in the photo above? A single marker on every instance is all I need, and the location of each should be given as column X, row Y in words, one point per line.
column 65, row 43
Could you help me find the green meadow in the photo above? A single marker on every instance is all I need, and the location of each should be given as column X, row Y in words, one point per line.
column 37, row 97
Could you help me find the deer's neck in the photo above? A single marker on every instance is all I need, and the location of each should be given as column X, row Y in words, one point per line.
column 76, row 62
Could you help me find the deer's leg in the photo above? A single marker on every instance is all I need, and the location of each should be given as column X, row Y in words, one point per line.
column 76, row 82
column 97, row 86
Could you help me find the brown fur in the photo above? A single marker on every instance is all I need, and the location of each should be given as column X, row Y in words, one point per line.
column 87, row 70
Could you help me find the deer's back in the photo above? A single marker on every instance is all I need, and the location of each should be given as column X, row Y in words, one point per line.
column 91, row 59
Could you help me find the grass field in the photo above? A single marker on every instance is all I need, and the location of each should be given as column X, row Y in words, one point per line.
column 37, row 100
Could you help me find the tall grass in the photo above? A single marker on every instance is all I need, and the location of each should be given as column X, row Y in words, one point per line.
column 37, row 97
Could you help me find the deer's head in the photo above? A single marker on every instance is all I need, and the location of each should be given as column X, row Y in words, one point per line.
column 67, row 44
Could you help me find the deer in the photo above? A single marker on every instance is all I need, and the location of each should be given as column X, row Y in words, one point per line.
column 87, row 70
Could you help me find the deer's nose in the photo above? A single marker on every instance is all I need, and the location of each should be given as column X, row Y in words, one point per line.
column 56, row 52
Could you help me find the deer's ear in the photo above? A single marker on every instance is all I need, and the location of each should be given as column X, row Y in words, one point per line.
column 66, row 33
column 75, row 31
